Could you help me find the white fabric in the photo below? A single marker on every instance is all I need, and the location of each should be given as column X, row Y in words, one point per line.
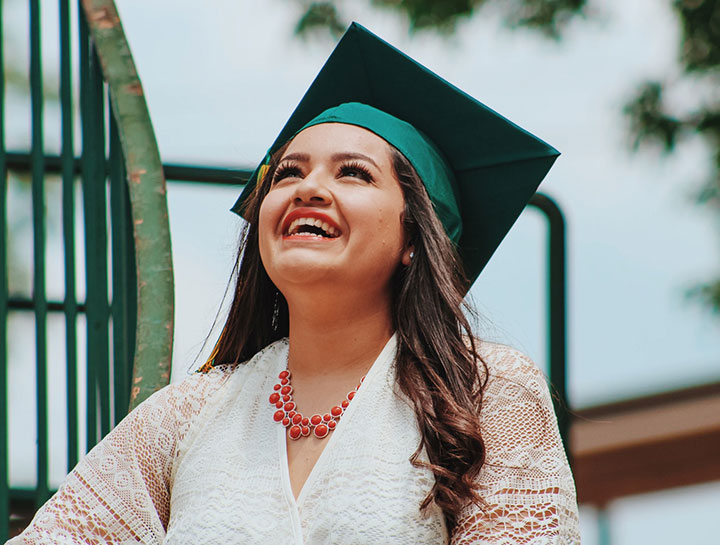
column 203, row 462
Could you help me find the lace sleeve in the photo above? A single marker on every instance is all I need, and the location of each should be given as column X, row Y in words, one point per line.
column 120, row 492
column 526, row 481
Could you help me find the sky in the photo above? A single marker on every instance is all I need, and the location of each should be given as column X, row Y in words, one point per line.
column 221, row 81
column 220, row 89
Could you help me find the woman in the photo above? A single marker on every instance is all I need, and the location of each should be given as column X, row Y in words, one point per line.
column 346, row 400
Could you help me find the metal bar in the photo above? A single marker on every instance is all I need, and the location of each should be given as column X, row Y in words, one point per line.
column 101, row 248
column 94, row 208
column 130, row 278
column 215, row 175
column 4, row 484
column 557, row 311
column 38, row 206
column 53, row 163
column 19, row 303
column 122, row 358
column 86, row 164
column 604, row 527
column 68, row 163
column 173, row 172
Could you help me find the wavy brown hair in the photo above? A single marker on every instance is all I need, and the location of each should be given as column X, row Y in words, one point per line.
column 438, row 367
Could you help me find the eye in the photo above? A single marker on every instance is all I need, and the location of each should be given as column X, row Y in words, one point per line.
column 287, row 170
column 355, row 170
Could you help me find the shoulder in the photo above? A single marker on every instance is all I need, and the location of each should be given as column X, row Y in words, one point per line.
column 516, row 398
column 193, row 388
column 210, row 385
column 506, row 362
column 202, row 382
column 177, row 404
column 507, row 367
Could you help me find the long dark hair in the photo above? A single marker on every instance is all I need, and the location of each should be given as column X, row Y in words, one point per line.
column 438, row 367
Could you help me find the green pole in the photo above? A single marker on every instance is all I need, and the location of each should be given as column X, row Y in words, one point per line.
column 68, row 225
column 557, row 311
column 4, row 485
column 155, row 291
column 121, row 275
column 38, row 214
column 95, row 229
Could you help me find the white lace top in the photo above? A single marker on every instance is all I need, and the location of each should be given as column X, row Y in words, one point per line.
column 203, row 462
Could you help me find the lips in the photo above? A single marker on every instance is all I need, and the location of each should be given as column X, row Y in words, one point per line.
column 310, row 224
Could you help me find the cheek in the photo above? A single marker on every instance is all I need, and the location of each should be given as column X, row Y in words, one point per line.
column 385, row 228
column 269, row 214
column 268, row 218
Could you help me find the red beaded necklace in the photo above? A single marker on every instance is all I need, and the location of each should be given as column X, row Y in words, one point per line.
column 297, row 424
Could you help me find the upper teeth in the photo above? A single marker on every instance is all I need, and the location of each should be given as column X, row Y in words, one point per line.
column 295, row 225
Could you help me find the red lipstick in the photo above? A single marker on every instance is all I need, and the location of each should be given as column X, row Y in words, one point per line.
column 308, row 213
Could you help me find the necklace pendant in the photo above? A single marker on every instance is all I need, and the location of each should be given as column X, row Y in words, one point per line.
column 319, row 425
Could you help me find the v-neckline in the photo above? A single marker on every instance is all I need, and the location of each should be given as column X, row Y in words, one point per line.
column 387, row 352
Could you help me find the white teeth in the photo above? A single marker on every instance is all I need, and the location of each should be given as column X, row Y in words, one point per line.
column 296, row 224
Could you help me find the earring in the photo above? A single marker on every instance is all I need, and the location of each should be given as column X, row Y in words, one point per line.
column 412, row 254
column 276, row 312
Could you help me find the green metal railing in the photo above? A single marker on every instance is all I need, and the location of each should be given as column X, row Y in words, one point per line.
column 100, row 173
column 120, row 311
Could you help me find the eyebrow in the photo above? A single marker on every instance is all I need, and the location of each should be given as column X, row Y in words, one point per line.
column 305, row 158
column 345, row 156
column 300, row 157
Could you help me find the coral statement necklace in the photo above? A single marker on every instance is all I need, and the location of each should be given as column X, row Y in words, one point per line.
column 298, row 425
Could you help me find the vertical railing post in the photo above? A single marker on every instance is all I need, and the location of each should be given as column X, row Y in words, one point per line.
column 603, row 526
column 67, row 155
column 4, row 477
column 39, row 297
column 557, row 310
column 94, row 210
column 123, row 277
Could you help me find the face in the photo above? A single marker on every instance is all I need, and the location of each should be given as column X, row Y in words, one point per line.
column 333, row 215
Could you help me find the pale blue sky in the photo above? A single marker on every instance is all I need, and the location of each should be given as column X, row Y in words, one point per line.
column 221, row 80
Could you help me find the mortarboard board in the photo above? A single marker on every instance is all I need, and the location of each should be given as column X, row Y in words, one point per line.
column 497, row 166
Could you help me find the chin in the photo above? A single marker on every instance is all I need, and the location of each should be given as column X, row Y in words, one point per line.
column 295, row 271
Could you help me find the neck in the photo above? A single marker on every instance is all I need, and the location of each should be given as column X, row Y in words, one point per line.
column 337, row 334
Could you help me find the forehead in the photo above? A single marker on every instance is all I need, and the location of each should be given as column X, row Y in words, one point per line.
column 331, row 138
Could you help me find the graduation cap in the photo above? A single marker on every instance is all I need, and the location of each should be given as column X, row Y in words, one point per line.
column 480, row 169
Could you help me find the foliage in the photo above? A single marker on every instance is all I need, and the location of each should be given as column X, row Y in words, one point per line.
column 547, row 16
column 654, row 122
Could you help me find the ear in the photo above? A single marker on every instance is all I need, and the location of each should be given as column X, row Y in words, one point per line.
column 408, row 254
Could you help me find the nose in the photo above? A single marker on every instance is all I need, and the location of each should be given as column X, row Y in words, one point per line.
column 313, row 189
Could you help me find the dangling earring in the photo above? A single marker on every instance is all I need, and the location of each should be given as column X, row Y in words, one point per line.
column 276, row 312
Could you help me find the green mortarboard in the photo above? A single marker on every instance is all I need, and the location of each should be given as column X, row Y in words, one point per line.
column 495, row 165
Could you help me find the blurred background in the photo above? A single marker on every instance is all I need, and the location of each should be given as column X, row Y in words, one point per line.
column 627, row 91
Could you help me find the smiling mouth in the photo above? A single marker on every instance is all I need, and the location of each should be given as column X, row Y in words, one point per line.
column 311, row 227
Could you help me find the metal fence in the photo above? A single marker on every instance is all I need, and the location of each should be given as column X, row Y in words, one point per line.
column 108, row 309
column 108, row 322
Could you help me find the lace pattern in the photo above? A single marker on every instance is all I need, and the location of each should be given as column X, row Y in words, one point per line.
column 145, row 482
column 526, row 480
column 120, row 492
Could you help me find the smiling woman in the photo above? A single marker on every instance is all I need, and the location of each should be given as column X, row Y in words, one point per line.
column 347, row 400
